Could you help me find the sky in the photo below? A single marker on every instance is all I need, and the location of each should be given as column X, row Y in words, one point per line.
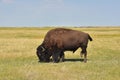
column 59, row 13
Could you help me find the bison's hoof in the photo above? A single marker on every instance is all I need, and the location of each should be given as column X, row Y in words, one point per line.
column 55, row 61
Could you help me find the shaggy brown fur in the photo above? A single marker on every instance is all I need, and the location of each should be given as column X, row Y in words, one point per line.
column 59, row 40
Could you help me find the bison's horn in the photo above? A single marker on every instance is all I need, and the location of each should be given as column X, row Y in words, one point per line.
column 43, row 49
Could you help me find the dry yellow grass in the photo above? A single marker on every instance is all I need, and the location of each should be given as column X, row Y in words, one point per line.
column 18, row 60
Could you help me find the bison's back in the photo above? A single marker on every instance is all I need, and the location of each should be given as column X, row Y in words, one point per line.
column 61, row 37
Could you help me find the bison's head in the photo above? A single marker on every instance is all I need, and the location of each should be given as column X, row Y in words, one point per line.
column 42, row 54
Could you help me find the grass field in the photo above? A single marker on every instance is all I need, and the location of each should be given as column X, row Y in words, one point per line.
column 18, row 60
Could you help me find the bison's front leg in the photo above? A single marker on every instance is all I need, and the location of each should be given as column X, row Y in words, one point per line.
column 55, row 57
column 62, row 57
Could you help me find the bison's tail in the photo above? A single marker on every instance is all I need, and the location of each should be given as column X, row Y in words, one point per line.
column 90, row 38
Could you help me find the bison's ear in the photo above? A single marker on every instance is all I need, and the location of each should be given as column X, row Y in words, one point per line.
column 43, row 49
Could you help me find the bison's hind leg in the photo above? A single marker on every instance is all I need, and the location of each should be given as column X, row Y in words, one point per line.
column 84, row 52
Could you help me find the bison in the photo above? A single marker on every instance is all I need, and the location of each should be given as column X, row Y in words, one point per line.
column 59, row 40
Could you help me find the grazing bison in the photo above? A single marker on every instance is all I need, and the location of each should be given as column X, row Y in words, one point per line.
column 59, row 40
